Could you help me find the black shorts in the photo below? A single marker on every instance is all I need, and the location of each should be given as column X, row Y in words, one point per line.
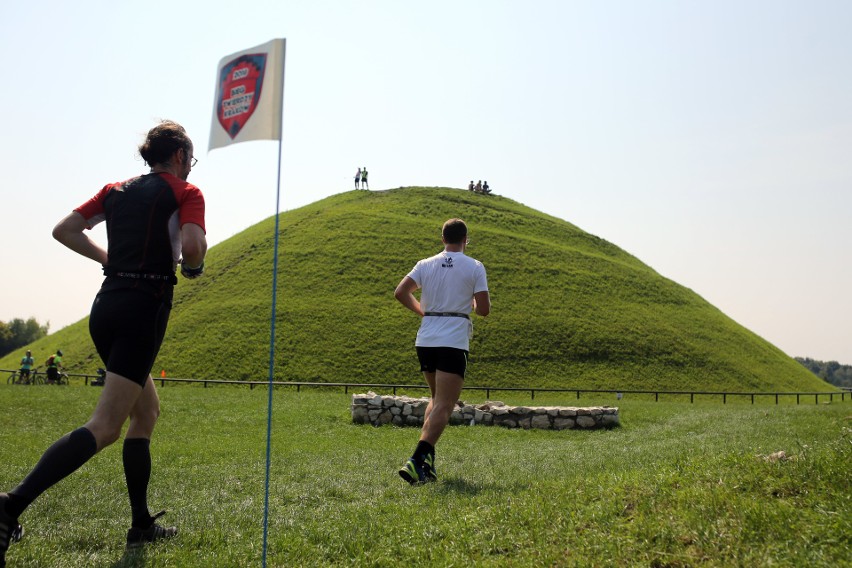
column 127, row 327
column 446, row 359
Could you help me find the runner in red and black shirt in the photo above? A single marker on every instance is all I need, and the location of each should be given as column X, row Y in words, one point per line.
column 154, row 222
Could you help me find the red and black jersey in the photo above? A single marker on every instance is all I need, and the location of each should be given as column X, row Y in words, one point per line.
column 143, row 219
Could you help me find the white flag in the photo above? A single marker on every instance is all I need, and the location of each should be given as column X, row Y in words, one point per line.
column 249, row 95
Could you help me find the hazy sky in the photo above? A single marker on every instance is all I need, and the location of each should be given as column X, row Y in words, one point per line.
column 712, row 140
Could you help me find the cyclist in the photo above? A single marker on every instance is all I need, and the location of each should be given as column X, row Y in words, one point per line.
column 54, row 364
column 26, row 366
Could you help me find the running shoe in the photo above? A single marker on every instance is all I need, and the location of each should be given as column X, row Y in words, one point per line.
column 137, row 537
column 10, row 530
column 429, row 468
column 412, row 473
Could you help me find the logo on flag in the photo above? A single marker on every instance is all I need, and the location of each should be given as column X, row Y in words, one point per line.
column 240, row 83
column 240, row 113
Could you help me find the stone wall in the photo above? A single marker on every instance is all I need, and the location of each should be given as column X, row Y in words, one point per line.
column 371, row 408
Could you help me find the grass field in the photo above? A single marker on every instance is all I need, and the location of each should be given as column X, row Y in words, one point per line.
column 677, row 484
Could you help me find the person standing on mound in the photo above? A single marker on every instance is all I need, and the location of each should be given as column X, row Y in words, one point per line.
column 154, row 222
column 452, row 285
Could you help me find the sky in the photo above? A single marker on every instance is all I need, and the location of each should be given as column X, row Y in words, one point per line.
column 711, row 140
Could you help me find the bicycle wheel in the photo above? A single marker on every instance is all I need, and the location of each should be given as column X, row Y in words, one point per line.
column 12, row 377
column 36, row 379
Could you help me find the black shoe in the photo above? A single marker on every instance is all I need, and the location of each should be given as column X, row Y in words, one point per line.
column 136, row 537
column 10, row 530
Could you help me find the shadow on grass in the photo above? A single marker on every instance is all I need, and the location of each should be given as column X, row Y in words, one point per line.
column 465, row 487
column 134, row 558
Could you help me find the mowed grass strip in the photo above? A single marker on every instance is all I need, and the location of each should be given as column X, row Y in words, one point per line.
column 677, row 484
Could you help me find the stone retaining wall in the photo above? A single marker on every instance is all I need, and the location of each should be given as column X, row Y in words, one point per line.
column 371, row 408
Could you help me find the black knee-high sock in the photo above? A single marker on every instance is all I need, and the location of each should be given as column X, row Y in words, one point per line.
column 423, row 449
column 60, row 460
column 136, row 456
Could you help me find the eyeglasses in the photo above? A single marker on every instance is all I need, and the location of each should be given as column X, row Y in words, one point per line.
column 193, row 161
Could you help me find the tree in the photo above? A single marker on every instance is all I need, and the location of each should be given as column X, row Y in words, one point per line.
column 17, row 333
column 832, row 372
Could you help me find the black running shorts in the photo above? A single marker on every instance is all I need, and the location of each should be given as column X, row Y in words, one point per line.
column 127, row 327
column 446, row 359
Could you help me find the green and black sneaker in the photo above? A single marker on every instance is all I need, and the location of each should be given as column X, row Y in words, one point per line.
column 412, row 473
column 429, row 468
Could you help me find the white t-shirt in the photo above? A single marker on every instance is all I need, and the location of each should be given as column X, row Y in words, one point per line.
column 448, row 282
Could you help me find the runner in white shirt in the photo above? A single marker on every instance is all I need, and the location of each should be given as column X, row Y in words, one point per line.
column 452, row 285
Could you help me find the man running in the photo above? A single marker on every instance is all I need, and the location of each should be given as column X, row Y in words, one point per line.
column 452, row 285
column 154, row 222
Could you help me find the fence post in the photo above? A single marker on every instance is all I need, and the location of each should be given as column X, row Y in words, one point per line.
column 691, row 396
column 656, row 397
column 532, row 394
column 776, row 399
column 816, row 398
column 724, row 398
column 797, row 398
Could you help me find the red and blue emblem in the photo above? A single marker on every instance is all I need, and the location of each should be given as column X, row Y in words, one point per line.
column 240, row 82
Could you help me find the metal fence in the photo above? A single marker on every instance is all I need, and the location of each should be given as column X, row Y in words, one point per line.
column 842, row 393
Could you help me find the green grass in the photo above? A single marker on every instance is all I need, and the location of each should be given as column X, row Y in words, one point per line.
column 569, row 309
column 677, row 484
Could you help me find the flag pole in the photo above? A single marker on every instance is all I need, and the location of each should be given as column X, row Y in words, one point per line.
column 239, row 79
column 271, row 356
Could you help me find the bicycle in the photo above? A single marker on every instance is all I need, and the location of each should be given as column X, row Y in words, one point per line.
column 34, row 378
column 61, row 379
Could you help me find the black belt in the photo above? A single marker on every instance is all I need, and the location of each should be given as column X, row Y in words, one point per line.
column 447, row 315
column 141, row 276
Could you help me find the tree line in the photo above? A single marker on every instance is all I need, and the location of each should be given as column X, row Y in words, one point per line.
column 17, row 333
column 832, row 371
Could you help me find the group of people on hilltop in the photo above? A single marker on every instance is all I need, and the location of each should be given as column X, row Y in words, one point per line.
column 479, row 187
column 361, row 177
column 53, row 364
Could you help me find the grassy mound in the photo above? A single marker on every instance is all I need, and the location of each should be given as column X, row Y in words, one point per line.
column 569, row 309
